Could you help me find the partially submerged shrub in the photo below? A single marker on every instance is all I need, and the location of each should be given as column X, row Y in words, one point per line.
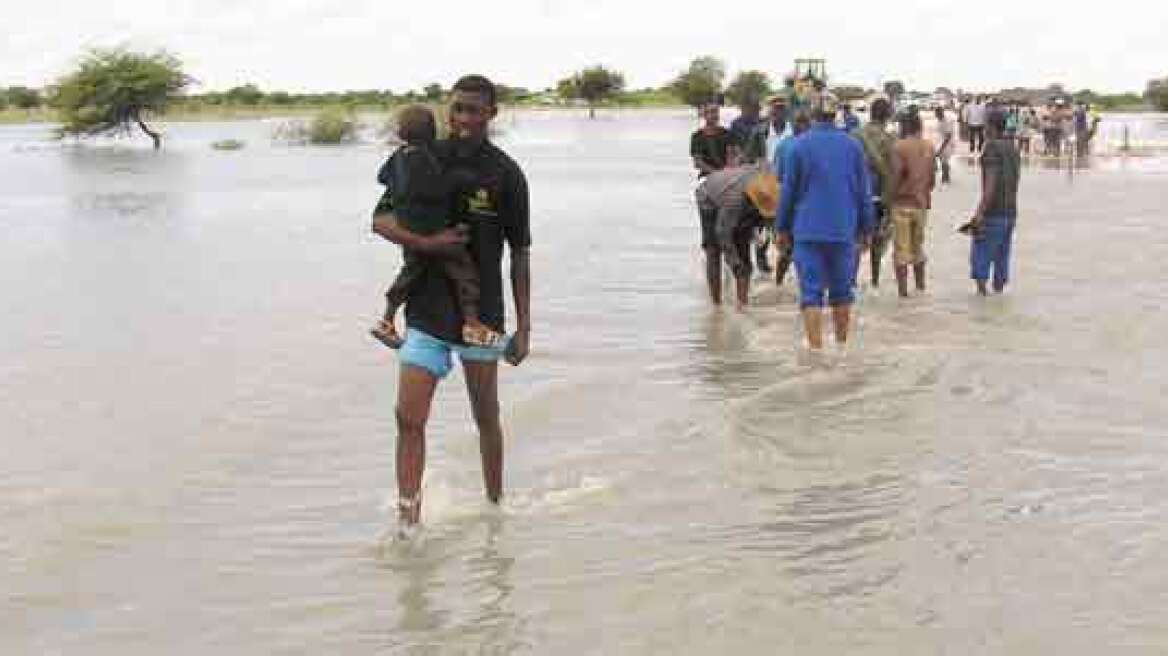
column 332, row 126
column 228, row 144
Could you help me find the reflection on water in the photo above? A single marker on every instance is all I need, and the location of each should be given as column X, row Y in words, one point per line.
column 198, row 430
column 124, row 204
column 435, row 614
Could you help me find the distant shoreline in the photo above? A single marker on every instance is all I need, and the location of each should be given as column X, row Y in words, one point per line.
column 181, row 114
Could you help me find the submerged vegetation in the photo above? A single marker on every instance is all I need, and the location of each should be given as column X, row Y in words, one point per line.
column 332, row 126
column 329, row 126
column 228, row 144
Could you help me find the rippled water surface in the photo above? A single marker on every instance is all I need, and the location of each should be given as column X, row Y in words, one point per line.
column 198, row 433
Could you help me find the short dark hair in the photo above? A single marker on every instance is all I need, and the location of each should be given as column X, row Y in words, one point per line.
column 997, row 121
column 801, row 122
column 880, row 110
column 910, row 123
column 415, row 124
column 476, row 84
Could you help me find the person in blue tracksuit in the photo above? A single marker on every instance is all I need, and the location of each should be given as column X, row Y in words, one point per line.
column 825, row 212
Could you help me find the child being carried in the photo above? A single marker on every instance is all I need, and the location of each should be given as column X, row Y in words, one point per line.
column 423, row 198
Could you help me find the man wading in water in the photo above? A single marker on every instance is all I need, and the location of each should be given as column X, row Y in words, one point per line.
column 497, row 212
column 993, row 221
column 879, row 150
column 711, row 148
column 913, row 180
column 746, row 131
column 733, row 203
column 825, row 209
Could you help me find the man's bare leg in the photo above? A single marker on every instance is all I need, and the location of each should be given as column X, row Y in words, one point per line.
column 784, row 263
column 482, row 386
column 813, row 326
column 742, row 292
column 841, row 317
column 415, row 392
column 902, row 280
column 714, row 274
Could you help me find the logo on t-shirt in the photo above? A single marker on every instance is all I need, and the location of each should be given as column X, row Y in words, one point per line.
column 480, row 204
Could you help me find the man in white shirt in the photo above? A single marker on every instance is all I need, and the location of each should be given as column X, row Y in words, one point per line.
column 777, row 126
column 975, row 117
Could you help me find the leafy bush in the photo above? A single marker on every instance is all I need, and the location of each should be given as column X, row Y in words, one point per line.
column 332, row 126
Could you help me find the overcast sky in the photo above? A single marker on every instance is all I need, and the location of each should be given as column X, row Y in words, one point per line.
column 302, row 45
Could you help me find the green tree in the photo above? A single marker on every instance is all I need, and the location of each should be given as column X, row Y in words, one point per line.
column 113, row 89
column 433, row 92
column 701, row 83
column 749, row 86
column 23, row 97
column 365, row 97
column 593, row 84
column 1157, row 93
column 1086, row 96
column 509, row 94
column 566, row 88
column 280, row 98
column 248, row 94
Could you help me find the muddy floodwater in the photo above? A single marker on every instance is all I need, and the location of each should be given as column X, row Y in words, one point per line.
column 197, row 432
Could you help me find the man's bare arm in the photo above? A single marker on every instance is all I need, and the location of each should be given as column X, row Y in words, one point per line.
column 521, row 293
column 702, row 166
column 388, row 226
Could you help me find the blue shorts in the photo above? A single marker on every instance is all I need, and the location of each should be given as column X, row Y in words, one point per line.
column 825, row 267
column 427, row 352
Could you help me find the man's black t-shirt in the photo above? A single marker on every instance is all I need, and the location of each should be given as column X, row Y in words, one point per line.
column 1000, row 161
column 713, row 149
column 495, row 206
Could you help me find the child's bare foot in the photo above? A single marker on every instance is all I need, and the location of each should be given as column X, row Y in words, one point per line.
column 477, row 333
column 386, row 333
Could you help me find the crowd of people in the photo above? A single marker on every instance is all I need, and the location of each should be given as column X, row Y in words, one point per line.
column 812, row 184
column 1061, row 126
column 830, row 188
